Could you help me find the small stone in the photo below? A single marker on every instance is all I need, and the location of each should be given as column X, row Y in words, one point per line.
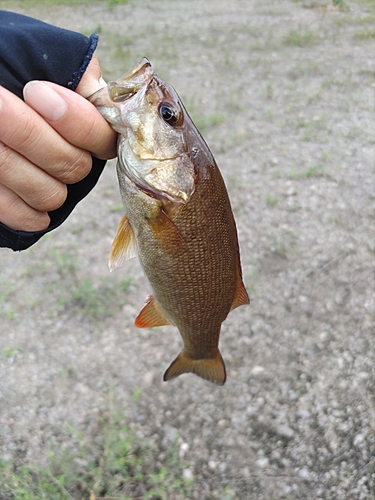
column 184, row 446
column 284, row 387
column 358, row 439
column 212, row 464
column 260, row 401
column 147, row 378
column 285, row 431
column 303, row 413
column 257, row 369
column 251, row 410
column 187, row 474
column 183, row 449
column 262, row 462
column 170, row 432
column 223, row 422
column 222, row 467
column 304, row 473
column 246, row 472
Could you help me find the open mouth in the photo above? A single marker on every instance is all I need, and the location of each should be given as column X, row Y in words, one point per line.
column 129, row 84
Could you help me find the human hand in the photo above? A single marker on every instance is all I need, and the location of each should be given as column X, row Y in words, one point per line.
column 46, row 143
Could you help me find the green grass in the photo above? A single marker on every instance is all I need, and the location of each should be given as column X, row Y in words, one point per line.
column 369, row 3
column 204, row 123
column 272, row 200
column 366, row 34
column 68, row 289
column 6, row 289
column 297, row 39
column 338, row 3
column 115, row 463
column 315, row 170
column 95, row 300
column 10, row 351
column 315, row 130
column 117, row 2
column 39, row 3
column 53, row 3
column 304, row 68
column 285, row 243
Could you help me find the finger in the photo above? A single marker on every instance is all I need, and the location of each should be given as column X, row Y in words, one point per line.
column 25, row 131
column 19, row 216
column 91, row 80
column 77, row 120
column 38, row 189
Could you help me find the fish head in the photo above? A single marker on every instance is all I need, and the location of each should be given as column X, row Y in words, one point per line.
column 157, row 139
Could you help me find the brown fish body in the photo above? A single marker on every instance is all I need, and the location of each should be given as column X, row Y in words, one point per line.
column 185, row 236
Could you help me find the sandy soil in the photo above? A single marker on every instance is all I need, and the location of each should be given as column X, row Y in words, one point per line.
column 283, row 92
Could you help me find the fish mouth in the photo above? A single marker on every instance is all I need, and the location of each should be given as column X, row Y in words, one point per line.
column 125, row 87
column 129, row 84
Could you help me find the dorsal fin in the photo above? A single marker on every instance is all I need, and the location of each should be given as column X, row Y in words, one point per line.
column 151, row 315
column 124, row 245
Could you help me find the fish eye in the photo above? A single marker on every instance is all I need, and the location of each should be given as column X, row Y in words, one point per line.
column 170, row 114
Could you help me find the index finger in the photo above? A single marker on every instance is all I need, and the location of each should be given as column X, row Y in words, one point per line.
column 73, row 117
column 23, row 130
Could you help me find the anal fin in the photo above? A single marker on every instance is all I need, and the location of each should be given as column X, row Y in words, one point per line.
column 124, row 245
column 212, row 369
column 151, row 315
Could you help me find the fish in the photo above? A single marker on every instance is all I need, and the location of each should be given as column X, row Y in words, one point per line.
column 178, row 218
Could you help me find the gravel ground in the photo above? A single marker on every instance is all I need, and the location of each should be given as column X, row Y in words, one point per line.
column 283, row 92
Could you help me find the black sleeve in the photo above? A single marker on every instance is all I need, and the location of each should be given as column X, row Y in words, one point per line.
column 33, row 50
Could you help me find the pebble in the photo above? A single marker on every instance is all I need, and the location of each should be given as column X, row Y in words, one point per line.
column 257, row 369
column 304, row 473
column 187, row 474
column 246, row 472
column 148, row 378
column 183, row 449
column 262, row 462
column 170, row 432
column 303, row 413
column 285, row 431
column 358, row 439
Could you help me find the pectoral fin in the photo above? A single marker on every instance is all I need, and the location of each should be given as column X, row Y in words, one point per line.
column 151, row 315
column 124, row 245
column 212, row 369
column 167, row 235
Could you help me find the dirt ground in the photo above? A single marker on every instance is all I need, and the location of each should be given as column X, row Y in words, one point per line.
column 283, row 92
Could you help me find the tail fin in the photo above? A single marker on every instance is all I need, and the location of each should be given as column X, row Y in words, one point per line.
column 212, row 369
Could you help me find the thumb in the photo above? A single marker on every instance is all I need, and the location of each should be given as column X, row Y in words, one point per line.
column 92, row 79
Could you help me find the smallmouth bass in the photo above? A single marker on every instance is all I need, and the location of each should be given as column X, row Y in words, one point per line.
column 178, row 218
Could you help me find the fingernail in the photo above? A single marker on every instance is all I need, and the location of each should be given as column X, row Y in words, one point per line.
column 45, row 100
